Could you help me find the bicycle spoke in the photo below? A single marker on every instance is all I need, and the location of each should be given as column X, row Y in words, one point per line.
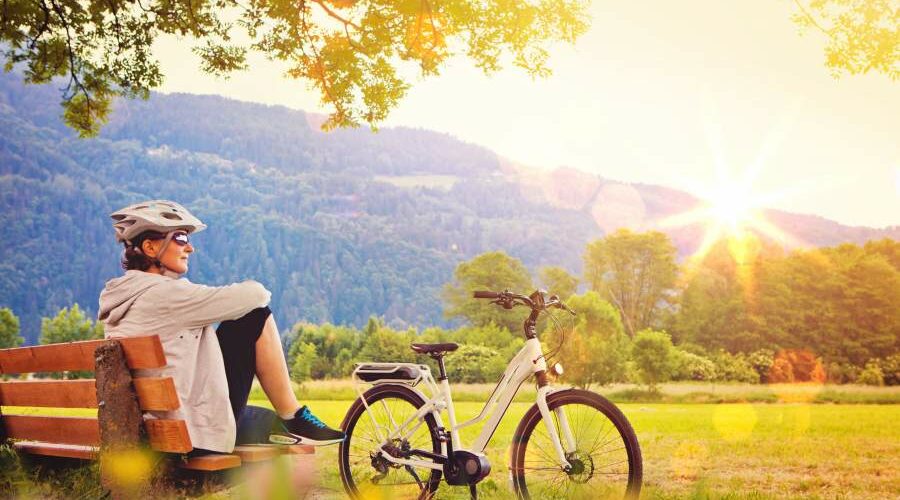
column 368, row 465
column 595, row 462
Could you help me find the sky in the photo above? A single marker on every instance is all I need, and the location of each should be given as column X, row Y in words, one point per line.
column 672, row 93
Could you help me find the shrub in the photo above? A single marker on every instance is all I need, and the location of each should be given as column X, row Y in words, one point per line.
column 690, row 366
column 842, row 373
column 9, row 329
column 652, row 353
column 782, row 372
column 872, row 374
column 734, row 368
column 474, row 364
column 302, row 362
column 890, row 368
column 762, row 361
column 806, row 367
column 594, row 350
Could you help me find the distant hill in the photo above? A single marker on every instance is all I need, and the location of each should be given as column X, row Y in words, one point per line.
column 340, row 226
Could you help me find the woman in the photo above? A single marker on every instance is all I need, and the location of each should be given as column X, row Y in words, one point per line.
column 213, row 369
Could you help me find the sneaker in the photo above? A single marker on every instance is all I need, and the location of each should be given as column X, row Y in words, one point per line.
column 304, row 428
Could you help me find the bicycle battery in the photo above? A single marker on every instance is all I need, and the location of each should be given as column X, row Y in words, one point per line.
column 380, row 373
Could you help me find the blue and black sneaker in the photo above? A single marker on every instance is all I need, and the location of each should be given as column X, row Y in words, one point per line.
column 304, row 428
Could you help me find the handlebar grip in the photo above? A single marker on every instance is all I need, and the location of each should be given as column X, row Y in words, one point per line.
column 484, row 294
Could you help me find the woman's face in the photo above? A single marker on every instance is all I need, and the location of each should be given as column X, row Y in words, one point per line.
column 177, row 252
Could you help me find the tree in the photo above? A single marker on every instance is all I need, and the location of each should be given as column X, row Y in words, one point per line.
column 9, row 329
column 691, row 366
column 653, row 356
column 474, row 364
column 70, row 325
column 304, row 355
column 595, row 349
column 558, row 281
column 386, row 345
column 862, row 34
column 494, row 271
column 349, row 51
column 872, row 374
column 713, row 306
column 635, row 272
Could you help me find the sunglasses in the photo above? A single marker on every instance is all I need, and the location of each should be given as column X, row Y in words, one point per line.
column 180, row 238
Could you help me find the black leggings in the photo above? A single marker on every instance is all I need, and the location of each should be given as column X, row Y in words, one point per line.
column 237, row 339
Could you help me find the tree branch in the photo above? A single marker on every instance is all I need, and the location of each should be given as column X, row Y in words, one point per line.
column 335, row 15
column 73, row 73
column 811, row 19
column 42, row 29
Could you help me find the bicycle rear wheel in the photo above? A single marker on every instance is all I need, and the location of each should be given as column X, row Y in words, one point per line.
column 606, row 462
column 365, row 472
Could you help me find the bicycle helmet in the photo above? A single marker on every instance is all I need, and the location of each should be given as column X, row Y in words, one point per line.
column 161, row 216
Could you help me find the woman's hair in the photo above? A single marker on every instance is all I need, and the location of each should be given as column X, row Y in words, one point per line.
column 133, row 257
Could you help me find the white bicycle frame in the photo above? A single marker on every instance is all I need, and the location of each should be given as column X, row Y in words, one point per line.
column 527, row 362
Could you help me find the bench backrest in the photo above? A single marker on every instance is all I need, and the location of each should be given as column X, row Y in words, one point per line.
column 154, row 393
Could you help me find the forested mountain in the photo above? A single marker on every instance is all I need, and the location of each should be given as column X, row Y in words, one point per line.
column 340, row 226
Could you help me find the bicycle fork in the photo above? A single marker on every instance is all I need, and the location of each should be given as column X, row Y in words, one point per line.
column 562, row 423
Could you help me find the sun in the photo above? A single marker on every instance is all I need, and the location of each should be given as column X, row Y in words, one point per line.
column 733, row 207
column 730, row 210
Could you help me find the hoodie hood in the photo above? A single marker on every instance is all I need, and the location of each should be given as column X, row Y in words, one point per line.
column 120, row 293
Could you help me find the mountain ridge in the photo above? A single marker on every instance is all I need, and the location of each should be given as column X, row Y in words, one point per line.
column 339, row 225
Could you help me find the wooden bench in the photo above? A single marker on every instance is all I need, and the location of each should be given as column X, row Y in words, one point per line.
column 119, row 398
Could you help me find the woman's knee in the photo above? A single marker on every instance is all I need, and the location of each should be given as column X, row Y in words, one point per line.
column 250, row 324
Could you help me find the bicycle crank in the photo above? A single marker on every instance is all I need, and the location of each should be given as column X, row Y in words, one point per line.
column 466, row 467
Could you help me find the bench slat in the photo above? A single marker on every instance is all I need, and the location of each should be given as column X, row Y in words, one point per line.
column 56, row 430
column 57, row 450
column 170, row 436
column 299, row 449
column 47, row 393
column 140, row 352
column 212, row 462
column 157, row 393
column 256, row 453
column 154, row 393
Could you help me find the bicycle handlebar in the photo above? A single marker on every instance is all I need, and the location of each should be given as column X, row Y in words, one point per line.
column 537, row 301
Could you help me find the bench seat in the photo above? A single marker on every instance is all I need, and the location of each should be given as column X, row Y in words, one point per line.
column 80, row 437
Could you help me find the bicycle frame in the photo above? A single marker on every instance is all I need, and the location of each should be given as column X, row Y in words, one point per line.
column 528, row 361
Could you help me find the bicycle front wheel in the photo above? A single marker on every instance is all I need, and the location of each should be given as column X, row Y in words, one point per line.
column 365, row 472
column 605, row 461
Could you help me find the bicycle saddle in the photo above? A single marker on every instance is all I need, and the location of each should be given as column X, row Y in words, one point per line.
column 434, row 348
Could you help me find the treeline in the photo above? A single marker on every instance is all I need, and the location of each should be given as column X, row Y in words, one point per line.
column 743, row 312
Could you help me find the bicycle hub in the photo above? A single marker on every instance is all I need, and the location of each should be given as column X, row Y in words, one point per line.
column 465, row 467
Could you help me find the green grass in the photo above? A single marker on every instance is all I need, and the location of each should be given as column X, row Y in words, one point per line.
column 719, row 450
column 681, row 392
column 697, row 450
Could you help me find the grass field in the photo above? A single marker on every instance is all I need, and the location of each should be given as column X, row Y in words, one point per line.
column 679, row 392
column 721, row 450
column 698, row 450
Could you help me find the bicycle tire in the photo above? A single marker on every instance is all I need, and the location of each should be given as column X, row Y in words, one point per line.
column 352, row 428
column 560, row 479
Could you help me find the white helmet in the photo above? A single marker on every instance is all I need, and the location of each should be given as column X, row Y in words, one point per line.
column 161, row 216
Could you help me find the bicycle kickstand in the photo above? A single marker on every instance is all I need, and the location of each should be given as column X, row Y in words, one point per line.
column 473, row 491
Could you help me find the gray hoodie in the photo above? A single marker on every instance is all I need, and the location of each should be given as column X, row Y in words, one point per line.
column 182, row 314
